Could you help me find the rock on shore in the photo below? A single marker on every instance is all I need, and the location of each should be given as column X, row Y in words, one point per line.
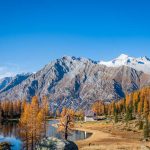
column 52, row 143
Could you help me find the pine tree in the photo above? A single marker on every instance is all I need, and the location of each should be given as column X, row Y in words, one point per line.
column 45, row 107
column 139, row 108
column 24, row 124
column 146, row 129
column 40, row 119
column 135, row 101
column 146, row 108
column 10, row 110
column 115, row 113
column 34, row 109
column 129, row 114
column 98, row 108
column 32, row 123
column 116, row 117
column 140, row 125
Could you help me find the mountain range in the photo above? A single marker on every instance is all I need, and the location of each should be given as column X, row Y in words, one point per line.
column 140, row 64
column 78, row 82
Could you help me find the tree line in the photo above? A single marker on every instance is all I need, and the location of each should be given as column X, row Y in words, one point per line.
column 134, row 106
column 33, row 116
column 10, row 109
column 33, row 119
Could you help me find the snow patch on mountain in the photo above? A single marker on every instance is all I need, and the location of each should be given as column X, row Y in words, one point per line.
column 76, row 83
column 140, row 64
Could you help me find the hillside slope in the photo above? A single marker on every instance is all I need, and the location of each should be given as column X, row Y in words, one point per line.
column 78, row 82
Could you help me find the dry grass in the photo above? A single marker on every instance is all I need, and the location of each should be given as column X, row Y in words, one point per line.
column 115, row 147
column 107, row 136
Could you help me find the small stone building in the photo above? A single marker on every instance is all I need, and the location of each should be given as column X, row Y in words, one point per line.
column 89, row 116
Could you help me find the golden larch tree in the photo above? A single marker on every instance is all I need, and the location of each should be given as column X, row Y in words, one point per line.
column 66, row 122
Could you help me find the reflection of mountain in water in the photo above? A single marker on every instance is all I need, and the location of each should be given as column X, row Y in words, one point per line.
column 9, row 133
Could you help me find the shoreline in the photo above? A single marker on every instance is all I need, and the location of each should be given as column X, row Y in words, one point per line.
column 103, row 140
column 107, row 141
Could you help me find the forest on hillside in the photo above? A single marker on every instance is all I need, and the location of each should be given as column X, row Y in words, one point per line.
column 135, row 105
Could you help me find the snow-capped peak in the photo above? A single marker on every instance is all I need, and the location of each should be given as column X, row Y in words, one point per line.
column 123, row 56
column 140, row 64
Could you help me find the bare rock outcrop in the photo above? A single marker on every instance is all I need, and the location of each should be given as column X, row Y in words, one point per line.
column 77, row 82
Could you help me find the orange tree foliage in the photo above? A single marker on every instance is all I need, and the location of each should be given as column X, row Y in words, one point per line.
column 79, row 115
column 10, row 109
column 45, row 110
column 98, row 108
column 136, row 103
column 32, row 123
column 32, row 118
column 66, row 121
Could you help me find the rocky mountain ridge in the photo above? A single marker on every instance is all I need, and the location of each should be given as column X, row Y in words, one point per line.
column 140, row 64
column 77, row 82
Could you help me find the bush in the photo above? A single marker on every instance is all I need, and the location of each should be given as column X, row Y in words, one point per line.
column 140, row 125
column 116, row 118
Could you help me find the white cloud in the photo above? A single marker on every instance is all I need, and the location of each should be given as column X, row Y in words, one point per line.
column 9, row 70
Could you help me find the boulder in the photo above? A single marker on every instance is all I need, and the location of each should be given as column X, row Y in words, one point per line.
column 5, row 146
column 52, row 143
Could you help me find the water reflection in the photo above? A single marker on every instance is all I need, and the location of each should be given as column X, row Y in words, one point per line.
column 79, row 135
column 9, row 132
column 73, row 136
column 9, row 129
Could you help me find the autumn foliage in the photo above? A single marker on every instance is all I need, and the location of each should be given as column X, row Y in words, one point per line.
column 10, row 109
column 33, row 122
column 66, row 122
column 136, row 103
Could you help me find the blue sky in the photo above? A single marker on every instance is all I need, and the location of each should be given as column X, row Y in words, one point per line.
column 34, row 32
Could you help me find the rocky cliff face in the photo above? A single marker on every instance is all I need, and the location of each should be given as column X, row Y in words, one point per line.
column 10, row 82
column 4, row 82
column 77, row 82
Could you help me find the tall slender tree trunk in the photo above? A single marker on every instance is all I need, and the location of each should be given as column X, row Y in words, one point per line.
column 32, row 142
column 66, row 133
column 66, row 127
column 27, row 140
column 45, row 124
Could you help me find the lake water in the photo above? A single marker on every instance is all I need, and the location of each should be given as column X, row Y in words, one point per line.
column 9, row 133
